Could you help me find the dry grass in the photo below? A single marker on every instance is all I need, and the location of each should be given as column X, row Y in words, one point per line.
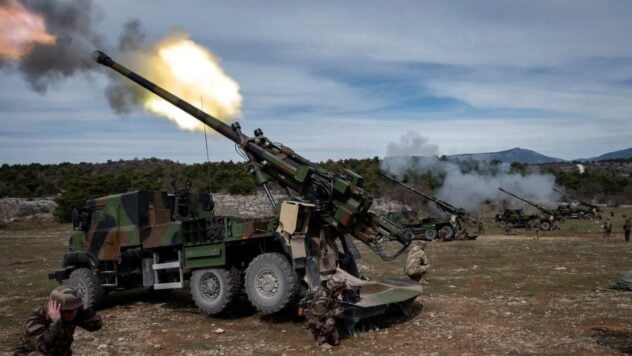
column 494, row 295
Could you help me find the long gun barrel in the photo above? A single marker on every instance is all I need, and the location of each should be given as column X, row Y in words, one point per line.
column 338, row 198
column 579, row 200
column 443, row 205
column 537, row 206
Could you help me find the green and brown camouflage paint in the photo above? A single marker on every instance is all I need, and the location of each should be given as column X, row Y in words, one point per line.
column 147, row 219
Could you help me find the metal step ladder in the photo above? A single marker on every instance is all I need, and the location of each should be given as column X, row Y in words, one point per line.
column 109, row 277
column 164, row 266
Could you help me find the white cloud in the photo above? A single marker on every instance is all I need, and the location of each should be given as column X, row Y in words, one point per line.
column 541, row 75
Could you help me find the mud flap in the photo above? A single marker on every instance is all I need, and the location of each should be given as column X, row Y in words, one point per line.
column 312, row 270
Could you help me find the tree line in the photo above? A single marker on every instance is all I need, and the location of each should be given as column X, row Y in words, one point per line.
column 72, row 183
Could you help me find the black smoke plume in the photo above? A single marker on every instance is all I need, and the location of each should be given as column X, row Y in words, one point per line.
column 123, row 96
column 74, row 24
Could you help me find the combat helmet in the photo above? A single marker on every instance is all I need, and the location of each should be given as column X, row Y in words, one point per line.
column 67, row 298
column 420, row 245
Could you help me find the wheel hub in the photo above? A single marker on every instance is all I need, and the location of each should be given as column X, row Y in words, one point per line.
column 267, row 283
column 81, row 290
column 210, row 286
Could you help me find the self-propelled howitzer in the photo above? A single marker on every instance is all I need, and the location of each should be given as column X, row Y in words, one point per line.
column 441, row 204
column 339, row 201
column 537, row 206
column 457, row 216
column 576, row 212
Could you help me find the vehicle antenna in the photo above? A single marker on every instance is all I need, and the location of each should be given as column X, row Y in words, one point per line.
column 208, row 163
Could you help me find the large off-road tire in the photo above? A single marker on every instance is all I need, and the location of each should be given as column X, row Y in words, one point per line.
column 545, row 225
column 589, row 216
column 271, row 282
column 446, row 232
column 502, row 224
column 430, row 234
column 88, row 286
column 214, row 289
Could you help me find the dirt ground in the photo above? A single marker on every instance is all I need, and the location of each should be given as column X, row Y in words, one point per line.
column 496, row 295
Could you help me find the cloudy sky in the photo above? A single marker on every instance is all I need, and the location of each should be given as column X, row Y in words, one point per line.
column 336, row 79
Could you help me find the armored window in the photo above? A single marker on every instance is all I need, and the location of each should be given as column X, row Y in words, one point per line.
column 97, row 216
column 102, row 219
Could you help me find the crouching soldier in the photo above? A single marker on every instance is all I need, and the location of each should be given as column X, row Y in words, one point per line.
column 50, row 329
column 417, row 263
column 322, row 310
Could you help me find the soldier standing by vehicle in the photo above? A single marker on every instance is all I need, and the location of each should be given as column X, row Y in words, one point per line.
column 627, row 226
column 417, row 263
column 607, row 229
column 535, row 225
column 480, row 228
column 50, row 329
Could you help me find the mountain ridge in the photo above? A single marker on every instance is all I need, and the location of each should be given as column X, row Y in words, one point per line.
column 624, row 153
column 524, row 155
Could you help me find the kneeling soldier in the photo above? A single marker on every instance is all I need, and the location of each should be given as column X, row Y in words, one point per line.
column 417, row 263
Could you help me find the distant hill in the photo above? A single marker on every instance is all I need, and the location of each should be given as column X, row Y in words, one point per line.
column 513, row 155
column 627, row 153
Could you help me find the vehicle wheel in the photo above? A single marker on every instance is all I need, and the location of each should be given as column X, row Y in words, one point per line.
column 446, row 232
column 271, row 282
column 501, row 224
column 589, row 216
column 215, row 288
column 430, row 234
column 545, row 225
column 87, row 286
column 534, row 224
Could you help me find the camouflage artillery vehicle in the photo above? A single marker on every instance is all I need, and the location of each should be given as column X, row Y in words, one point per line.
column 579, row 210
column 423, row 228
column 314, row 237
column 518, row 219
column 155, row 240
column 453, row 226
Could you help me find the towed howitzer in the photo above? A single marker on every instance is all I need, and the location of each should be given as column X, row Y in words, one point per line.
column 339, row 201
column 586, row 214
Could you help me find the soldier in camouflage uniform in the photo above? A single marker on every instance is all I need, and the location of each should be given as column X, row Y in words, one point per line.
column 50, row 329
column 607, row 229
column 417, row 263
column 322, row 311
column 627, row 226
column 480, row 227
column 535, row 225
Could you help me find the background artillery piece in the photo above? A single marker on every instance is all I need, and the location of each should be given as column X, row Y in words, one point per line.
column 517, row 218
column 575, row 211
column 453, row 227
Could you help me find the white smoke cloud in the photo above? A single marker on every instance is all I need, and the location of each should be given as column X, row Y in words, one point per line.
column 411, row 144
column 465, row 184
column 469, row 190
